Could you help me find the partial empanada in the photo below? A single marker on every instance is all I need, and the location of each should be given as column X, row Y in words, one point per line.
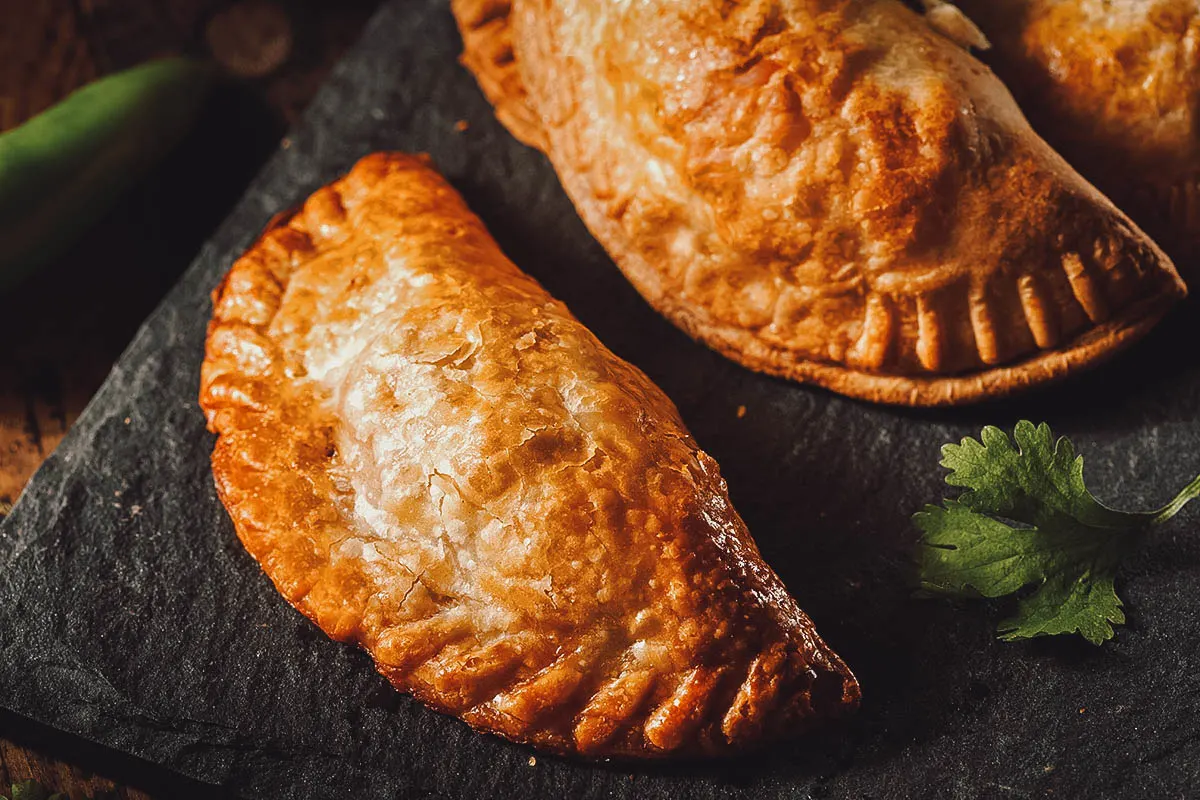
column 432, row 458
column 1114, row 85
column 833, row 192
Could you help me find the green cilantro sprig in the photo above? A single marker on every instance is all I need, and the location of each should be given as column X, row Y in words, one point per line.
column 1026, row 520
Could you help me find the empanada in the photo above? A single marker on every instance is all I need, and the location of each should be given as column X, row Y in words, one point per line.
column 1114, row 85
column 831, row 191
column 431, row 458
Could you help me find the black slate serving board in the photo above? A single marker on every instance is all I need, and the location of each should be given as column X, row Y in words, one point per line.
column 130, row 615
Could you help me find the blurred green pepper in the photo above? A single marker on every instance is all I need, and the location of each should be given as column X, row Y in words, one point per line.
column 61, row 170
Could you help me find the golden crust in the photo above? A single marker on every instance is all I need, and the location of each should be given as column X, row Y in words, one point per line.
column 1114, row 85
column 488, row 53
column 844, row 197
column 431, row 458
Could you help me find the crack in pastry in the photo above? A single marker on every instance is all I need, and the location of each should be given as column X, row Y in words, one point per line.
column 834, row 192
column 1114, row 85
column 431, row 458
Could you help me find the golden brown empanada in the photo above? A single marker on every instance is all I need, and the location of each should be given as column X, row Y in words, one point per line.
column 431, row 458
column 1114, row 85
column 830, row 191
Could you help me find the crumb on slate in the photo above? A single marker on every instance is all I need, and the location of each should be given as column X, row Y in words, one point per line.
column 532, row 761
column 741, row 411
column 461, row 125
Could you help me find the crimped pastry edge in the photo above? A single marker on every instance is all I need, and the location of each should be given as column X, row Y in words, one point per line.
column 1090, row 349
column 220, row 399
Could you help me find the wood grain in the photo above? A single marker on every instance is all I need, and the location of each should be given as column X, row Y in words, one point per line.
column 43, row 58
column 21, row 764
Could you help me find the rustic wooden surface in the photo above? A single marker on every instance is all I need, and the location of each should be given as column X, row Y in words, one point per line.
column 63, row 329
column 20, row 764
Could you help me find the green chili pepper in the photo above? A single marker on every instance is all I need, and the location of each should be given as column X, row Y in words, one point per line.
column 61, row 170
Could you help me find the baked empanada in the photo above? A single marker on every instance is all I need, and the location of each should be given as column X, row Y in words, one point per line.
column 1114, row 85
column 431, row 458
column 832, row 191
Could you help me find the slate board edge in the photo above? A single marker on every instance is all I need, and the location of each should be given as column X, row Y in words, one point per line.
column 238, row 229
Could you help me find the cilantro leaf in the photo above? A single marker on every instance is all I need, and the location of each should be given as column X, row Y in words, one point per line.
column 1039, row 481
column 1026, row 521
column 1087, row 605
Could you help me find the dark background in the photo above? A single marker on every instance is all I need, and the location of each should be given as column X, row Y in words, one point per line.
column 152, row 632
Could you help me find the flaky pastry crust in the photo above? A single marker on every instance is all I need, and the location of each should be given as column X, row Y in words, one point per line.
column 830, row 191
column 1114, row 85
column 431, row 458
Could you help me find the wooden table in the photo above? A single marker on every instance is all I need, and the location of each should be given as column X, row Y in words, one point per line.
column 63, row 329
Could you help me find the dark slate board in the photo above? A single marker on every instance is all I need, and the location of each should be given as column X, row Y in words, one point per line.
column 130, row 615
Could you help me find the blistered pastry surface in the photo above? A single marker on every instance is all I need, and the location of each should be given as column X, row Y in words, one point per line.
column 831, row 191
column 430, row 457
